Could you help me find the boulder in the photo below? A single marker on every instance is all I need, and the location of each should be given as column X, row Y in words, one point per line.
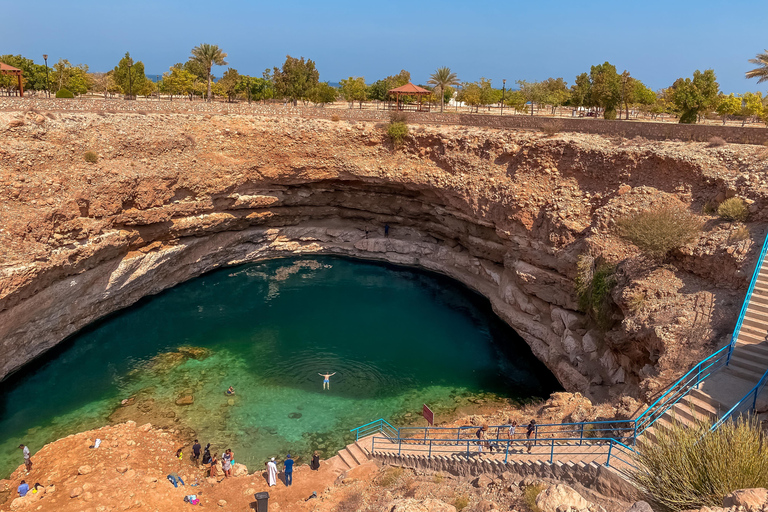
column 640, row 506
column 239, row 470
column 121, row 469
column 18, row 503
column 185, row 400
column 84, row 470
column 558, row 497
column 750, row 499
column 77, row 491
column 222, row 503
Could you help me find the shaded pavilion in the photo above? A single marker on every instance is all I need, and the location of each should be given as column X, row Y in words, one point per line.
column 409, row 90
column 5, row 69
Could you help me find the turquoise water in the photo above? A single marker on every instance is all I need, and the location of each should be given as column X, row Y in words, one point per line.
column 395, row 337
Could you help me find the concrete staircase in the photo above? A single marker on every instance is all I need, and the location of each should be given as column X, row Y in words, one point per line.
column 357, row 453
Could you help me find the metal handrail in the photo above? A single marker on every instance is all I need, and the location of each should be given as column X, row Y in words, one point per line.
column 745, row 304
column 739, row 406
column 380, row 425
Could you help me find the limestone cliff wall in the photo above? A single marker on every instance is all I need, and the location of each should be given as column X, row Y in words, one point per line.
column 508, row 214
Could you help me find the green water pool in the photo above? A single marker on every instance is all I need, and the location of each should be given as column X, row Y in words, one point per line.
column 396, row 338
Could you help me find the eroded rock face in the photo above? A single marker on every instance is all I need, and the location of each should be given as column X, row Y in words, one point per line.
column 506, row 213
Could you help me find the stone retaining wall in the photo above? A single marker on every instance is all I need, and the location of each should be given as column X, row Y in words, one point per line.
column 627, row 129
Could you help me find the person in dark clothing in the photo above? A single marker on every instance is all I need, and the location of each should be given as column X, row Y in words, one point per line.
column 386, row 229
column 207, row 454
column 315, row 464
column 196, row 452
column 529, row 431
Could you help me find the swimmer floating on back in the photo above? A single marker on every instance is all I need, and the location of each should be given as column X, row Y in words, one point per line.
column 327, row 379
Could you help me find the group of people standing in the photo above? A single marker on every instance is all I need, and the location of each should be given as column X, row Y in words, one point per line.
column 227, row 459
column 288, row 469
column 530, row 435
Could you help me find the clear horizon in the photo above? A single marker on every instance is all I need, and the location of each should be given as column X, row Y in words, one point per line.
column 656, row 44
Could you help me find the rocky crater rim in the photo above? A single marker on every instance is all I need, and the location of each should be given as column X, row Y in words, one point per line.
column 506, row 213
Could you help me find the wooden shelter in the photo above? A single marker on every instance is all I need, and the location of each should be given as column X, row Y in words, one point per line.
column 409, row 90
column 5, row 69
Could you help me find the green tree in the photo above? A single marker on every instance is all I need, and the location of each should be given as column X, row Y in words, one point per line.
column 692, row 98
column 581, row 91
column 323, row 93
column 206, row 56
column 488, row 95
column 751, row 106
column 378, row 90
column 177, row 81
column 73, row 78
column 727, row 106
column 296, row 79
column 605, row 90
column 104, row 83
column 441, row 79
column 470, row 94
column 761, row 71
column 130, row 76
column 229, row 83
column 354, row 89
column 642, row 96
column 517, row 100
column 33, row 75
column 532, row 91
column 554, row 92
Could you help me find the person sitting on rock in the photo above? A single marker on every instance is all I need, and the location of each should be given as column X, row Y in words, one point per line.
column 231, row 390
column 23, row 488
column 36, row 488
column 179, row 454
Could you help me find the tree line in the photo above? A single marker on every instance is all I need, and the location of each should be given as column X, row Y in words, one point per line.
column 601, row 91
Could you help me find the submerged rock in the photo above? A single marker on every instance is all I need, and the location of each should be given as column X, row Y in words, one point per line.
column 185, row 400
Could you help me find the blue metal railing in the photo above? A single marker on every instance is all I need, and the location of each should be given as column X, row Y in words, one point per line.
column 378, row 426
column 681, row 388
column 747, row 404
column 614, row 451
column 744, row 306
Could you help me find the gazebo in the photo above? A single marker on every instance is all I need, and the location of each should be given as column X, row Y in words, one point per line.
column 5, row 69
column 408, row 90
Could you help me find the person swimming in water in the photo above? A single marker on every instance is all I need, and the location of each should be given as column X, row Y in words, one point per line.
column 327, row 379
column 231, row 390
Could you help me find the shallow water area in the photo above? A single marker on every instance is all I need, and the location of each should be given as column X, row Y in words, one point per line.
column 396, row 338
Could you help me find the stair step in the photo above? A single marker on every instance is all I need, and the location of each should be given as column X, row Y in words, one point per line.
column 701, row 396
column 758, row 357
column 684, row 411
column 706, row 408
column 756, row 324
column 755, row 314
column 747, row 364
column 758, row 349
column 749, row 338
column 357, row 453
column 758, row 306
column 743, row 374
column 347, row 459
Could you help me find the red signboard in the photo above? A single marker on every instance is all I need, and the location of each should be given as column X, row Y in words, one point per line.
column 428, row 414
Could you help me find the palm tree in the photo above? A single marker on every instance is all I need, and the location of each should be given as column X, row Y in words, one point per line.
column 208, row 55
column 761, row 72
column 443, row 78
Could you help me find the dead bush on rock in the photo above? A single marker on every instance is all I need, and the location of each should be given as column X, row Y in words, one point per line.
column 91, row 157
column 658, row 232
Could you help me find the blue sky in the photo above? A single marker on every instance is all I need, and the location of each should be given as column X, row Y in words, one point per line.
column 657, row 41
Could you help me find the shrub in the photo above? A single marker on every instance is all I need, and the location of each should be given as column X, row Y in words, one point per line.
column 391, row 476
column 594, row 283
column 438, row 478
column 715, row 142
column 397, row 132
column 398, row 117
column 709, row 208
column 690, row 467
column 610, row 113
column 550, row 129
column 636, row 302
column 64, row 93
column 733, row 209
column 334, row 117
column 91, row 157
column 529, row 497
column 461, row 502
column 352, row 502
column 739, row 234
column 656, row 233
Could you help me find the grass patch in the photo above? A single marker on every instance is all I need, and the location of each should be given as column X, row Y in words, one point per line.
column 391, row 477
column 336, row 118
column 594, row 282
column 438, row 478
column 690, row 468
column 733, row 209
column 529, row 497
column 461, row 502
column 658, row 232
column 91, row 157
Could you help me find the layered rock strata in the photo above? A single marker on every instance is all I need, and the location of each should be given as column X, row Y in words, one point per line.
column 507, row 213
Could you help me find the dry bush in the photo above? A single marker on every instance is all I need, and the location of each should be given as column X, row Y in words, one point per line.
column 691, row 467
column 716, row 142
column 739, row 234
column 658, row 232
column 709, row 208
column 529, row 497
column 438, row 478
column 461, row 502
column 636, row 302
column 334, row 117
column 397, row 132
column 352, row 502
column 91, row 157
column 550, row 129
column 190, row 138
column 398, row 117
column 390, row 477
column 733, row 209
